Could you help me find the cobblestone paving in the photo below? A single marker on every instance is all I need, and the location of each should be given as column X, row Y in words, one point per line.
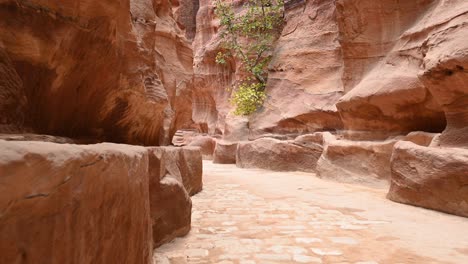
column 232, row 223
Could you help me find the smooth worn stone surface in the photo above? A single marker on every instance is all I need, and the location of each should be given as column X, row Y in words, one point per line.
column 184, row 164
column 277, row 155
column 257, row 216
column 363, row 162
column 97, row 69
column 170, row 203
column 206, row 144
column 225, row 152
column 62, row 203
column 435, row 178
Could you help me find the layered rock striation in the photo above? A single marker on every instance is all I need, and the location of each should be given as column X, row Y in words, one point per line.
column 116, row 71
column 359, row 66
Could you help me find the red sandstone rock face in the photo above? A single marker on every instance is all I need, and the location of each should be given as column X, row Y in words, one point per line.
column 112, row 70
column 170, row 202
column 435, row 178
column 446, row 68
column 186, row 15
column 382, row 60
column 362, row 162
column 74, row 204
column 206, row 144
column 225, row 152
column 304, row 80
column 12, row 97
column 184, row 164
column 366, row 66
column 273, row 154
column 210, row 103
column 122, row 200
column 300, row 99
column 431, row 177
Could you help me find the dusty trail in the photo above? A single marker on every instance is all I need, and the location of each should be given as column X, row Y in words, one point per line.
column 256, row 216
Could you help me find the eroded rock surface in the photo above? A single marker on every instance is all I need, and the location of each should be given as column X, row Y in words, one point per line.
column 170, row 202
column 304, row 81
column 368, row 67
column 363, row 162
column 206, row 144
column 117, row 71
column 434, row 178
column 277, row 155
column 225, row 152
column 74, row 204
column 120, row 200
column 383, row 46
column 446, row 68
column 184, row 164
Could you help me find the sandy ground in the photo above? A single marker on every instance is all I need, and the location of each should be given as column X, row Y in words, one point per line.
column 257, row 216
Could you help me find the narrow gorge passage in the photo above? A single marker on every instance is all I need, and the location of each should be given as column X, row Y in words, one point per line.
column 256, row 216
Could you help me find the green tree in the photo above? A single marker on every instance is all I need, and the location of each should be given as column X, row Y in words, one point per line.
column 248, row 35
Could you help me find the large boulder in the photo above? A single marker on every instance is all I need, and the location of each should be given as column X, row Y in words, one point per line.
column 225, row 152
column 363, row 162
column 434, row 178
column 445, row 71
column 277, row 155
column 184, row 164
column 206, row 144
column 421, row 138
column 74, row 204
column 170, row 202
column 359, row 161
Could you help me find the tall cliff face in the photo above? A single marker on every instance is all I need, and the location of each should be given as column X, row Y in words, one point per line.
column 360, row 66
column 304, row 81
column 375, row 74
column 383, row 49
column 210, row 101
column 109, row 70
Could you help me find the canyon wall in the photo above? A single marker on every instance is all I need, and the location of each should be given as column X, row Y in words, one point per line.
column 116, row 71
column 345, row 65
column 374, row 74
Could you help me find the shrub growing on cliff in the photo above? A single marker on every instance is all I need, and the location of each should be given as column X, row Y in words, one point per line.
column 248, row 34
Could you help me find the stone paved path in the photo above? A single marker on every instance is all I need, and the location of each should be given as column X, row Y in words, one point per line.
column 255, row 216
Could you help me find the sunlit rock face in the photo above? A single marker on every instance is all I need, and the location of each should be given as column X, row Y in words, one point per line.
column 372, row 73
column 435, row 177
column 304, row 81
column 361, row 66
column 309, row 36
column 110, row 70
column 430, row 177
column 383, row 47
